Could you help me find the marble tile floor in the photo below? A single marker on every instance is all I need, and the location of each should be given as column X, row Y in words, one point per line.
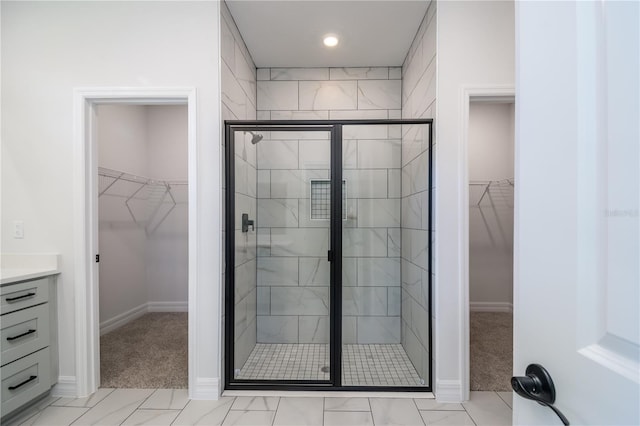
column 363, row 365
column 172, row 407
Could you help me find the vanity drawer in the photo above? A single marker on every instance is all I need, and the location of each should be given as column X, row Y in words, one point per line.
column 25, row 379
column 24, row 332
column 22, row 295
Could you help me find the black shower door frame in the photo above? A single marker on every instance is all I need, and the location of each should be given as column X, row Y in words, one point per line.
column 334, row 127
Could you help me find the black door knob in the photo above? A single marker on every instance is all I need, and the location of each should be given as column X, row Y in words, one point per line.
column 538, row 386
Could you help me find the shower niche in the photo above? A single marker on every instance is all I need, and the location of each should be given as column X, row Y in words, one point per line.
column 328, row 285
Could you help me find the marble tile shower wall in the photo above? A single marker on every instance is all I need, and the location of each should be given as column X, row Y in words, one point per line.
column 418, row 101
column 293, row 273
column 239, row 103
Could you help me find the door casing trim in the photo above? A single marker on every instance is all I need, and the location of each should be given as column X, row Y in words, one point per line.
column 85, row 238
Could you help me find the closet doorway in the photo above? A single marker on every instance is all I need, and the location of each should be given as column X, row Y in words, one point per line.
column 491, row 215
column 142, row 157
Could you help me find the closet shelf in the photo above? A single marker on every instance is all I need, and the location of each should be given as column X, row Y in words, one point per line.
column 155, row 192
column 489, row 183
column 497, row 212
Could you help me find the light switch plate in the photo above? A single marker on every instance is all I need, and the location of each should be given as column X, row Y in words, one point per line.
column 18, row 229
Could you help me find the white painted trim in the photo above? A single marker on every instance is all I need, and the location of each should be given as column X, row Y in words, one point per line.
column 505, row 307
column 205, row 388
column 123, row 318
column 614, row 359
column 168, row 307
column 85, row 334
column 66, row 387
column 498, row 93
column 85, row 219
column 192, row 166
column 448, row 390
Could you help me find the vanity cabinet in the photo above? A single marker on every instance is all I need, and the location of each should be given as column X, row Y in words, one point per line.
column 28, row 354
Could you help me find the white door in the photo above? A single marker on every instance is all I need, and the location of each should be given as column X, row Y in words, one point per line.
column 577, row 258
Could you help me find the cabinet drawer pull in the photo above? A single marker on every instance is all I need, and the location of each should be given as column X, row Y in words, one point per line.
column 24, row 296
column 30, row 379
column 21, row 335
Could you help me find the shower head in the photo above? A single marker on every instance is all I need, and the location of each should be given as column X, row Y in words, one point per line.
column 256, row 137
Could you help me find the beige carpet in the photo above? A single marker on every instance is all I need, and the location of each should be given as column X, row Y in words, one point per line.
column 491, row 351
column 149, row 352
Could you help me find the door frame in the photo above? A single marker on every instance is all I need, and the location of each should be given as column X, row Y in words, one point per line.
column 335, row 254
column 489, row 94
column 85, row 236
column 230, row 214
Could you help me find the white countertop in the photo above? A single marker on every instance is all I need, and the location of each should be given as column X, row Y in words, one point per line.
column 19, row 267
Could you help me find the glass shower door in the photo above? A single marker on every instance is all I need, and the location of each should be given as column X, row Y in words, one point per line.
column 282, row 237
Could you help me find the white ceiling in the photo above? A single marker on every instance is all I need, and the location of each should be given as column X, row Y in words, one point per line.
column 289, row 33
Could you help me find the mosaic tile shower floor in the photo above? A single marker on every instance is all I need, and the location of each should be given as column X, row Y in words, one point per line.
column 362, row 365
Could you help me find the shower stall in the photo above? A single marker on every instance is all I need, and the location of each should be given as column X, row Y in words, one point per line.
column 328, row 254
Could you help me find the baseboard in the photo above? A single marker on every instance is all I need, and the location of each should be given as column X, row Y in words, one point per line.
column 122, row 319
column 168, row 306
column 448, row 391
column 66, row 387
column 205, row 388
column 125, row 317
column 491, row 307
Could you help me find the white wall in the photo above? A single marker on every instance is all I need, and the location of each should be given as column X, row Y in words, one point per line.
column 167, row 241
column 476, row 48
column 167, row 141
column 122, row 145
column 122, row 138
column 50, row 48
column 490, row 139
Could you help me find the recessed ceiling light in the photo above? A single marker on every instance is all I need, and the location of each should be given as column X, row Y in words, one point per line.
column 330, row 41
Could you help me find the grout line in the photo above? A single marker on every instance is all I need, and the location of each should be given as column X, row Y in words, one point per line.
column 503, row 400
column 179, row 413
column 77, row 418
column 275, row 413
column 129, row 415
column 157, row 409
column 229, row 410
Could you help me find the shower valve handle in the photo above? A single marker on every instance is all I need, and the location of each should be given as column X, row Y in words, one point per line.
column 246, row 223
